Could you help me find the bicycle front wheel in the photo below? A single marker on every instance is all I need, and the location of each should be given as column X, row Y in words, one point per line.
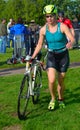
column 37, row 85
column 23, row 98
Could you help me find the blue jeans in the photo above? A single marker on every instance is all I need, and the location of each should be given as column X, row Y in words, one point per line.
column 3, row 43
column 10, row 39
column 27, row 46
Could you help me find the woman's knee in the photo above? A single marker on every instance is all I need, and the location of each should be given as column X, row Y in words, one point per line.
column 61, row 78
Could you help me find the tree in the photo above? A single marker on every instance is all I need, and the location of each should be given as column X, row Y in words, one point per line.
column 14, row 9
column 33, row 9
column 2, row 8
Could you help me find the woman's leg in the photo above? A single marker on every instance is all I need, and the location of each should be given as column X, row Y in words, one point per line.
column 60, row 87
column 51, row 79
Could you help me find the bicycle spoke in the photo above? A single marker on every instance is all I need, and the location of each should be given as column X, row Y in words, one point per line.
column 23, row 98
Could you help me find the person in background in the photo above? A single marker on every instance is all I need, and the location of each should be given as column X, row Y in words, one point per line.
column 66, row 21
column 10, row 35
column 3, row 36
column 34, row 28
column 76, row 29
column 8, row 25
column 19, row 31
column 56, row 34
column 27, row 38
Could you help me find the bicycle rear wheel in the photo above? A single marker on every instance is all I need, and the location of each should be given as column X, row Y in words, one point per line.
column 37, row 85
column 23, row 98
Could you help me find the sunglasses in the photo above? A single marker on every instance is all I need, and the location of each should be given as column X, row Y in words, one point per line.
column 49, row 16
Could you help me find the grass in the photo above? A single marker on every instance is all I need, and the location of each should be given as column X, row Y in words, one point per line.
column 5, row 57
column 74, row 57
column 40, row 118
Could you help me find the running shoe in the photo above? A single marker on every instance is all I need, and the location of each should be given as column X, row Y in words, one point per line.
column 52, row 105
column 61, row 105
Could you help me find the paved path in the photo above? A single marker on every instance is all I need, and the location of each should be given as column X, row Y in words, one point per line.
column 6, row 72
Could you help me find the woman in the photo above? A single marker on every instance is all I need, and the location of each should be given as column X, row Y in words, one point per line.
column 58, row 57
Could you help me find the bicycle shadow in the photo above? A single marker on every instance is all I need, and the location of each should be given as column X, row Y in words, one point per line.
column 41, row 105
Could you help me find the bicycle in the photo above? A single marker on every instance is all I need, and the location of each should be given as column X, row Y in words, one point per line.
column 30, row 86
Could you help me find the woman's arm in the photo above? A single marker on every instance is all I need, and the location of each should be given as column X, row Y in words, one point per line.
column 72, row 31
column 69, row 35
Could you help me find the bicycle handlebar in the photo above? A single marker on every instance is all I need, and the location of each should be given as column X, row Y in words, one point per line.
column 35, row 61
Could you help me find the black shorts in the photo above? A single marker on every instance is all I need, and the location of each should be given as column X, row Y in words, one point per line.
column 59, row 61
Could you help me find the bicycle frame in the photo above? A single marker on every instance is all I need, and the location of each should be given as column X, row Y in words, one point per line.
column 32, row 75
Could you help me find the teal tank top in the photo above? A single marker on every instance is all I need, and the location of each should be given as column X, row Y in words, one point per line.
column 56, row 40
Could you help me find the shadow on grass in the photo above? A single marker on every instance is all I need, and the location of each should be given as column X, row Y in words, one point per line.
column 72, row 96
column 2, row 63
column 39, row 108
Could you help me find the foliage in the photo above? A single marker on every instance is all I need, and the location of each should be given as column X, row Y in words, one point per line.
column 14, row 9
column 32, row 9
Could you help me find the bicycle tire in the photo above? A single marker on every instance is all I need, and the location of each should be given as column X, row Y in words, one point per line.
column 37, row 85
column 23, row 98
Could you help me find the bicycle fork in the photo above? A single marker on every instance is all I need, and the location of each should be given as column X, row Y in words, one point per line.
column 32, row 80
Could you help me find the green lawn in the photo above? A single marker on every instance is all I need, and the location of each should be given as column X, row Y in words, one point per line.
column 5, row 57
column 74, row 57
column 40, row 118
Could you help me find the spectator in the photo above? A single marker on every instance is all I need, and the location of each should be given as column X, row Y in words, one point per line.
column 19, row 31
column 76, row 29
column 3, row 36
column 10, row 35
column 34, row 28
column 9, row 24
column 27, row 39
column 65, row 21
